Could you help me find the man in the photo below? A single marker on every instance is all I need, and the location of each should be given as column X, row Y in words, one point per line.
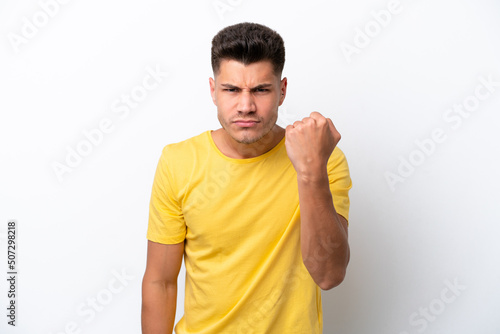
column 228, row 201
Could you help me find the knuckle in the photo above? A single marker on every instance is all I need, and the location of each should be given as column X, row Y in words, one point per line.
column 308, row 120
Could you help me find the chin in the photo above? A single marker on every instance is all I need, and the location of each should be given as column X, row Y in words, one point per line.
column 245, row 139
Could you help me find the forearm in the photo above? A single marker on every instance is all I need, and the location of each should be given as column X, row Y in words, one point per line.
column 324, row 244
column 158, row 307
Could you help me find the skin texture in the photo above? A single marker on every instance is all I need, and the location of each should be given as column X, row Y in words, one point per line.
column 254, row 92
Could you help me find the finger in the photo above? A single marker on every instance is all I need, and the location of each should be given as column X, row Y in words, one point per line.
column 334, row 130
column 308, row 120
column 330, row 124
column 316, row 115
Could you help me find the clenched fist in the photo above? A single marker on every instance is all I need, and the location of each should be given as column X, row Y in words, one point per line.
column 310, row 142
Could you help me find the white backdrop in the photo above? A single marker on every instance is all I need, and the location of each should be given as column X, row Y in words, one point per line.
column 91, row 91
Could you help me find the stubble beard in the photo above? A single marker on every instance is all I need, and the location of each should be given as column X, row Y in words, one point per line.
column 247, row 138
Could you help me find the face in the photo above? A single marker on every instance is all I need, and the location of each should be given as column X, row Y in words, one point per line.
column 247, row 99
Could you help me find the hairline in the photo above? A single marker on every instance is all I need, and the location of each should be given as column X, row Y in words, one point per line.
column 275, row 71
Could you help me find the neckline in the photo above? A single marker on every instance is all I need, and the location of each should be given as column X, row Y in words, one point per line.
column 246, row 160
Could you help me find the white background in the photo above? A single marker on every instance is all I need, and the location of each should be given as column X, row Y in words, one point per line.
column 436, row 226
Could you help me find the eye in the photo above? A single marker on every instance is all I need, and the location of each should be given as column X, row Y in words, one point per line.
column 261, row 90
column 231, row 90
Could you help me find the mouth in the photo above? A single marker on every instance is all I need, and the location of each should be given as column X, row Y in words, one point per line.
column 245, row 123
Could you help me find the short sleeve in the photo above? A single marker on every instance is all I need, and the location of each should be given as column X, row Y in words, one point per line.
column 340, row 182
column 166, row 223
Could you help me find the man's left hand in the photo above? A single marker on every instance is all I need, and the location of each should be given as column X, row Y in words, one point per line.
column 310, row 142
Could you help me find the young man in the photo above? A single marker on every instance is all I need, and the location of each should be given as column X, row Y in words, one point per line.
column 228, row 201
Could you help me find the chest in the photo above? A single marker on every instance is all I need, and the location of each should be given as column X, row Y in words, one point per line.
column 235, row 204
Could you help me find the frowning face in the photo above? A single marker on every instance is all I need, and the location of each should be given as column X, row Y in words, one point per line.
column 247, row 99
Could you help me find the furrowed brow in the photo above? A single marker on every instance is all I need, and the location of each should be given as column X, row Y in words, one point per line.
column 230, row 86
column 266, row 85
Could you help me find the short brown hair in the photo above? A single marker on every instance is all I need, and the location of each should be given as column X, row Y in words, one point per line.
column 248, row 43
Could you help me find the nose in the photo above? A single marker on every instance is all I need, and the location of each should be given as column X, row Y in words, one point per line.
column 246, row 102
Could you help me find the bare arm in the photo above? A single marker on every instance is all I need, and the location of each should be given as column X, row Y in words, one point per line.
column 159, row 287
column 325, row 249
column 323, row 232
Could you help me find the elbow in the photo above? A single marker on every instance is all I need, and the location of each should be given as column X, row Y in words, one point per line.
column 332, row 281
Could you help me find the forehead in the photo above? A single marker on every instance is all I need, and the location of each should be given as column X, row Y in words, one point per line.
column 237, row 73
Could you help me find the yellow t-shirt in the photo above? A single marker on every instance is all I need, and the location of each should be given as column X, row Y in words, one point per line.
column 240, row 220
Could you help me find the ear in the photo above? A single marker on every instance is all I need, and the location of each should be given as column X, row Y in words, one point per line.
column 283, row 86
column 212, row 89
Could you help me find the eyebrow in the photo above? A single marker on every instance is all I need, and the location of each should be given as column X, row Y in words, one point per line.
column 266, row 85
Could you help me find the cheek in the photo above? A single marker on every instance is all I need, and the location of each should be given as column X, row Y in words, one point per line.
column 270, row 104
column 226, row 102
column 222, row 106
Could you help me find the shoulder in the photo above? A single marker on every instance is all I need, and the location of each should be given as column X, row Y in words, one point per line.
column 337, row 158
column 178, row 160
column 338, row 169
column 185, row 148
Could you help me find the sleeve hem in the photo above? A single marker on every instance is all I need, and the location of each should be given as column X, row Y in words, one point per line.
column 166, row 240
